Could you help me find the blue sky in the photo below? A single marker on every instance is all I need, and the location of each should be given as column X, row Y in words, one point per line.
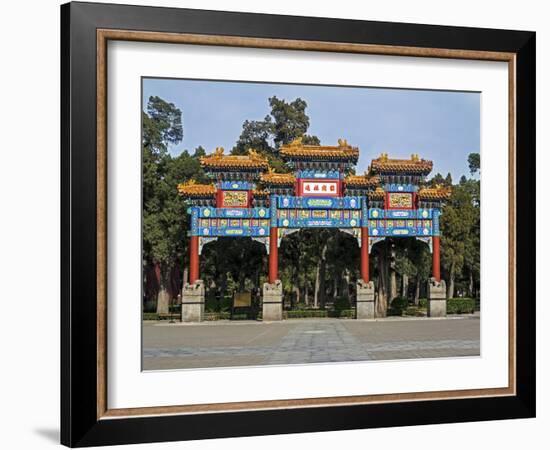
column 442, row 126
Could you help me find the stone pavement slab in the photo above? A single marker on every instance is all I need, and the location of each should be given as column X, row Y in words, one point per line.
column 303, row 341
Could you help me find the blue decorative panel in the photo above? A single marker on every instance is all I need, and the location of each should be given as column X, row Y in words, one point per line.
column 400, row 231
column 376, row 213
column 424, row 213
column 330, row 174
column 194, row 211
column 364, row 212
column 436, row 213
column 313, row 212
column 236, row 185
column 245, row 213
column 273, row 210
column 400, row 214
column 291, row 202
column 234, row 231
column 400, row 187
column 318, row 223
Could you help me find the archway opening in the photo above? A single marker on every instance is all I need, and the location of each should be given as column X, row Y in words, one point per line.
column 401, row 269
column 319, row 268
column 230, row 267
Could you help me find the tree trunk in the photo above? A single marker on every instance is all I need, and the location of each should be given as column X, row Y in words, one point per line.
column 322, row 274
column 393, row 285
column 163, row 297
column 223, row 288
column 451, row 286
column 345, row 290
column 393, row 274
column 242, row 281
column 296, row 290
column 381, row 302
column 471, row 285
column 344, row 284
column 185, row 275
column 417, row 291
column 316, row 292
column 163, row 301
column 295, row 287
column 405, row 286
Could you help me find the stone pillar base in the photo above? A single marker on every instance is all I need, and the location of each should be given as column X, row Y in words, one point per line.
column 192, row 302
column 365, row 300
column 437, row 298
column 272, row 302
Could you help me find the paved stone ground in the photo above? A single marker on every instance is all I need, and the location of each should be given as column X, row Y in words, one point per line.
column 300, row 341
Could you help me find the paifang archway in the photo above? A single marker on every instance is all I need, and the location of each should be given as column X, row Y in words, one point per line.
column 248, row 198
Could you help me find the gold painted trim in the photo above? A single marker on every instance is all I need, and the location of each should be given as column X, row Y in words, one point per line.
column 104, row 35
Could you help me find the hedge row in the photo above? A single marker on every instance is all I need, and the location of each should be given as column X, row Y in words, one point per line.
column 305, row 313
column 150, row 316
column 461, row 305
column 457, row 305
column 222, row 315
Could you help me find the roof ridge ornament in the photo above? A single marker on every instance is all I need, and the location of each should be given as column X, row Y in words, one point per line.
column 255, row 155
column 343, row 142
column 296, row 142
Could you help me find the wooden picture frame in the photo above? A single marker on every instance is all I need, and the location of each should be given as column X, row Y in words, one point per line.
column 85, row 417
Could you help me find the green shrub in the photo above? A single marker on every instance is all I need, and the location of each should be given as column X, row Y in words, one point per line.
column 347, row 314
column 414, row 311
column 212, row 304
column 305, row 313
column 221, row 315
column 461, row 305
column 341, row 303
column 398, row 306
column 241, row 316
column 150, row 316
column 423, row 302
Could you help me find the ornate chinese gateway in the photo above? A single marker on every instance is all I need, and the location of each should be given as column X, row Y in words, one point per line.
column 248, row 199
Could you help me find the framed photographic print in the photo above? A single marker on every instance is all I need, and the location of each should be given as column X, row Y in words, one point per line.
column 276, row 224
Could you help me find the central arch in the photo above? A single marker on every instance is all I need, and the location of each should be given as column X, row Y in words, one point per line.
column 319, row 265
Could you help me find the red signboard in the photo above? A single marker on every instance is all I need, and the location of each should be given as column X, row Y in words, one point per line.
column 319, row 188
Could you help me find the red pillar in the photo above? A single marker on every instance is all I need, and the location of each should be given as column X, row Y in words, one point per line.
column 435, row 259
column 365, row 254
column 273, row 255
column 193, row 259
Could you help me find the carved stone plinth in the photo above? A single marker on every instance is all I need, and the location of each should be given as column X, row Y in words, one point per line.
column 192, row 302
column 437, row 298
column 365, row 300
column 272, row 301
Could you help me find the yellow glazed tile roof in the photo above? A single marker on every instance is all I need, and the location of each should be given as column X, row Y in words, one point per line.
column 277, row 179
column 377, row 194
column 437, row 193
column 221, row 161
column 415, row 165
column 300, row 151
column 260, row 193
column 193, row 189
column 361, row 180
